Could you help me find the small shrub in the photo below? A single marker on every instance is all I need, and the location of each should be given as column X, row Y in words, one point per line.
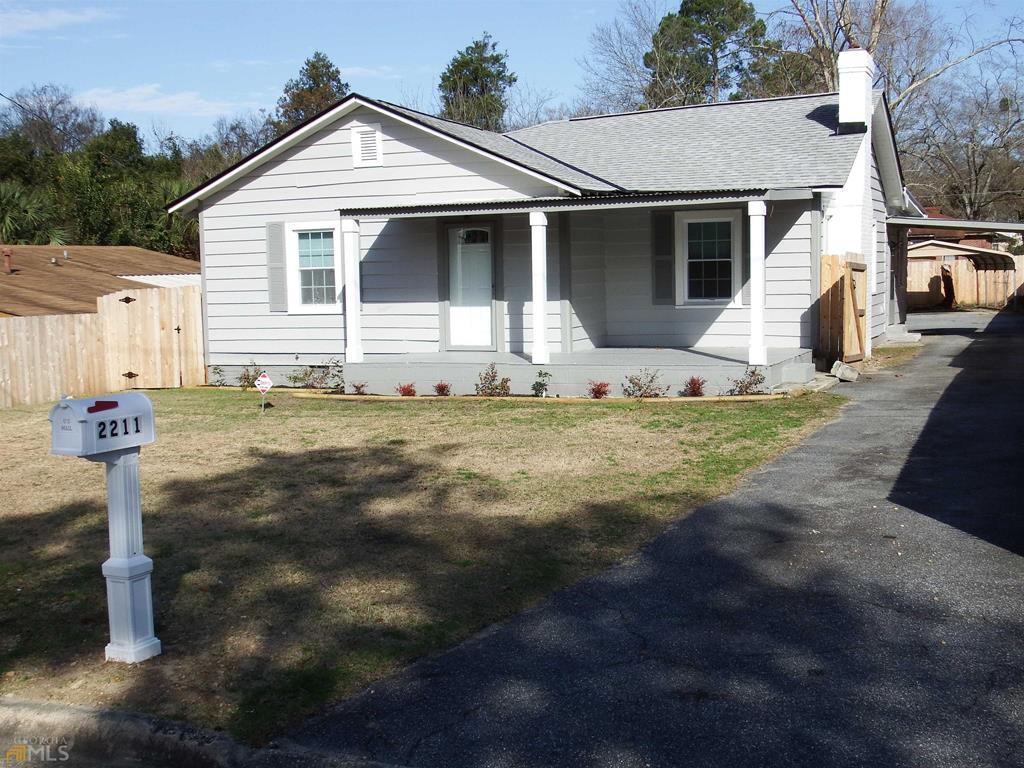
column 217, row 376
column 406, row 390
column 647, row 383
column 490, row 385
column 750, row 383
column 442, row 389
column 540, row 386
column 598, row 390
column 694, row 387
column 359, row 387
column 247, row 378
column 330, row 376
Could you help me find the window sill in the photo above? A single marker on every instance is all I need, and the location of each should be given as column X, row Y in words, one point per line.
column 710, row 304
column 314, row 309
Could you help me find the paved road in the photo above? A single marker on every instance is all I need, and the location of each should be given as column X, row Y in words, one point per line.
column 856, row 603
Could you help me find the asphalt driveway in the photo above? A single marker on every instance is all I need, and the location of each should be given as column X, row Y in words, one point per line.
column 857, row 602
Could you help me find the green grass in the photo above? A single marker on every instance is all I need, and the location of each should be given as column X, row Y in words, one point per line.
column 303, row 553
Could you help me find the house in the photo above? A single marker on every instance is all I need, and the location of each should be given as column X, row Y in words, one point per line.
column 960, row 250
column 55, row 280
column 686, row 240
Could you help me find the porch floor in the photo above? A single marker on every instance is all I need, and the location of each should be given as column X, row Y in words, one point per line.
column 571, row 371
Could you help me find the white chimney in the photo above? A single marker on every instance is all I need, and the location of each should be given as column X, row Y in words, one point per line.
column 856, row 80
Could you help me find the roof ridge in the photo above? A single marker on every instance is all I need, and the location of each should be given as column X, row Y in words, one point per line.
column 436, row 117
column 692, row 106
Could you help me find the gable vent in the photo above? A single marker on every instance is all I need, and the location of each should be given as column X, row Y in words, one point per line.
column 367, row 146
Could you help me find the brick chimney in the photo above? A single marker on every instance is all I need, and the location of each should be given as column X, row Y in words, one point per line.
column 856, row 80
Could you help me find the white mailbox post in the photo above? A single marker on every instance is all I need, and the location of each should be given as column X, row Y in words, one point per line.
column 112, row 429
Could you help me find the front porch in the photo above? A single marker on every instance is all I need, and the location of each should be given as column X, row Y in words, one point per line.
column 572, row 371
column 591, row 292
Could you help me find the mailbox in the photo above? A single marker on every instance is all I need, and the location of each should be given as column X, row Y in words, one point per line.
column 96, row 425
column 112, row 429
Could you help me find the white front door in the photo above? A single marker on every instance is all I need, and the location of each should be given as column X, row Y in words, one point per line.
column 470, row 287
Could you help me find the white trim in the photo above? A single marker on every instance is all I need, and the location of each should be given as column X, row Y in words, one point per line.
column 355, row 131
column 291, row 261
column 681, row 247
column 329, row 117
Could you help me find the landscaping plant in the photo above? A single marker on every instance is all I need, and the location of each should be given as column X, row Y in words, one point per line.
column 490, row 385
column 330, row 376
column 359, row 387
column 598, row 390
column 442, row 389
column 217, row 376
column 647, row 383
column 750, row 383
column 406, row 390
column 694, row 387
column 247, row 378
column 540, row 386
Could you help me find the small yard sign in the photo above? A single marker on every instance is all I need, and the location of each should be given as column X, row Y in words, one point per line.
column 263, row 384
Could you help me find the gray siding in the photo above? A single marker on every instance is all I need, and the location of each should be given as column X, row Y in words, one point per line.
column 587, row 317
column 883, row 260
column 399, row 261
column 634, row 320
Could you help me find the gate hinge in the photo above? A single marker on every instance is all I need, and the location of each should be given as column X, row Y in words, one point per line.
column 127, row 299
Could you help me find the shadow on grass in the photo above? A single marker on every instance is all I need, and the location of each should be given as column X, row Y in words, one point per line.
column 300, row 577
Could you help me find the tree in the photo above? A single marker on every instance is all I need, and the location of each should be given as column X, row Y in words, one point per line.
column 118, row 151
column 49, row 117
column 474, row 86
column 700, row 54
column 615, row 76
column 968, row 155
column 27, row 216
column 911, row 42
column 318, row 86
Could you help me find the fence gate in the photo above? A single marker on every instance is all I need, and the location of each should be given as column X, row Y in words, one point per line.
column 842, row 310
column 144, row 338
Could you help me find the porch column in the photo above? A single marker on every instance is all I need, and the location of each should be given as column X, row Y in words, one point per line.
column 539, row 270
column 353, row 306
column 756, row 211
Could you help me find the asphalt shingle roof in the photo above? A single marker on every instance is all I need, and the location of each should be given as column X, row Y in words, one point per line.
column 764, row 144
column 508, row 148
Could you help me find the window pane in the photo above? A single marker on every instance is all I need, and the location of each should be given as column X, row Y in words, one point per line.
column 709, row 260
column 317, row 286
column 316, row 249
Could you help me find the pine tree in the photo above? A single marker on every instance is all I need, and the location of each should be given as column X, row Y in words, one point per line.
column 474, row 86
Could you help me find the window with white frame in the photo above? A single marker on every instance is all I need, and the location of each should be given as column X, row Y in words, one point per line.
column 313, row 253
column 708, row 257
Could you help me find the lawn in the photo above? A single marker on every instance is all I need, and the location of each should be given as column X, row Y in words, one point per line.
column 303, row 553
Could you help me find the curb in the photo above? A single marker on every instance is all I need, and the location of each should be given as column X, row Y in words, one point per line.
column 123, row 738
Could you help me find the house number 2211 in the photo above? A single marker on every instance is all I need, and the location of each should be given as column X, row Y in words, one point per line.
column 117, row 428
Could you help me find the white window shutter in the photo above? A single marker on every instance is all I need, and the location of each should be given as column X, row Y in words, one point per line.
column 277, row 270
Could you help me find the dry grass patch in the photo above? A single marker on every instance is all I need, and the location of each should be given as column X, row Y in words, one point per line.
column 892, row 356
column 301, row 554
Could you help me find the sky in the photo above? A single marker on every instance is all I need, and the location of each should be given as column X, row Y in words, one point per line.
column 178, row 66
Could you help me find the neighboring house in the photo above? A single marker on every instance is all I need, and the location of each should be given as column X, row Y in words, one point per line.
column 57, row 280
column 979, row 236
column 685, row 239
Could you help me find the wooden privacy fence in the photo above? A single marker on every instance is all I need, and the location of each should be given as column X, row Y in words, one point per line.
column 972, row 286
column 842, row 327
column 145, row 338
